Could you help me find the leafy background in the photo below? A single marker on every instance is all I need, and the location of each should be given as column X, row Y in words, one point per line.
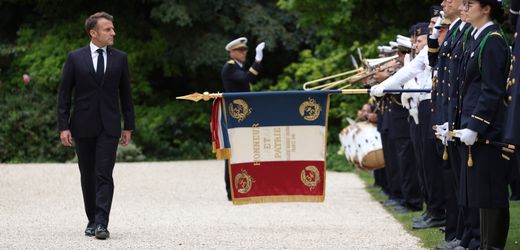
column 176, row 47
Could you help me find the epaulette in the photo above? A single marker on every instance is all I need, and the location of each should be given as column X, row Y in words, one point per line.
column 231, row 61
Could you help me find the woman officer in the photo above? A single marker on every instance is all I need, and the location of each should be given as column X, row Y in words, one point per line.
column 481, row 112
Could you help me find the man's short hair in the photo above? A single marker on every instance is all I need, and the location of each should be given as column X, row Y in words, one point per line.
column 92, row 20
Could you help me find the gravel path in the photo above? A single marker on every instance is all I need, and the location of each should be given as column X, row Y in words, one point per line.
column 183, row 205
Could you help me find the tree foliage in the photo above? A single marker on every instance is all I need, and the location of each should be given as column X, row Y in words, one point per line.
column 176, row 47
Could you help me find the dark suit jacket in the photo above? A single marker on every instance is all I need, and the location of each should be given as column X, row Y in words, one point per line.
column 98, row 105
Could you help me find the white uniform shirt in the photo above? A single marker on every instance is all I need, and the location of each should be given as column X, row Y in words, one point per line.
column 418, row 68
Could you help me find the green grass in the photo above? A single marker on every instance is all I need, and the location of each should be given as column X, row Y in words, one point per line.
column 433, row 236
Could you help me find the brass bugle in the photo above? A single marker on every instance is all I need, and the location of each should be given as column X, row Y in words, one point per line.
column 360, row 74
column 350, row 72
column 330, row 85
column 373, row 63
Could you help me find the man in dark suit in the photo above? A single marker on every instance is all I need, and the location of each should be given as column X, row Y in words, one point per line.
column 97, row 76
column 236, row 78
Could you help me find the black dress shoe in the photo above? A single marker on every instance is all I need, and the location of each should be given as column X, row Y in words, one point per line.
column 430, row 222
column 405, row 209
column 102, row 232
column 90, row 230
column 390, row 203
column 421, row 217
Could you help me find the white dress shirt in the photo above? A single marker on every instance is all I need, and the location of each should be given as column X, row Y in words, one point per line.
column 477, row 34
column 95, row 55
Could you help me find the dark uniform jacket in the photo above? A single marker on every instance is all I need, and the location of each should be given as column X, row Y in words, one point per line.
column 511, row 131
column 481, row 109
column 483, row 86
column 451, row 103
column 441, row 75
column 238, row 79
column 98, row 104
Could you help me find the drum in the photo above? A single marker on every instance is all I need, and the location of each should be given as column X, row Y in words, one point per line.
column 348, row 144
column 362, row 145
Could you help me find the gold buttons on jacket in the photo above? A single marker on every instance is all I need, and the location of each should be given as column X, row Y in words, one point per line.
column 510, row 98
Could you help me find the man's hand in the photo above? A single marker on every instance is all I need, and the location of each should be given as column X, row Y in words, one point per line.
column 381, row 75
column 66, row 138
column 126, row 136
column 260, row 52
column 372, row 117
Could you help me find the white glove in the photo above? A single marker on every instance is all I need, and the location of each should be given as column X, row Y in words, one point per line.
column 377, row 90
column 410, row 100
column 259, row 52
column 468, row 136
column 414, row 102
column 414, row 112
column 441, row 131
column 435, row 32
column 405, row 100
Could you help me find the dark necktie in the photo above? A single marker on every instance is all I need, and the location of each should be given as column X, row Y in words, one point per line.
column 100, row 72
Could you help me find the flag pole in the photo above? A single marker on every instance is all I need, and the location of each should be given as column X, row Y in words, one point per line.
column 195, row 97
column 206, row 96
column 397, row 91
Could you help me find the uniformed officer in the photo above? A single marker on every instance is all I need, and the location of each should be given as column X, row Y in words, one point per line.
column 391, row 168
column 511, row 124
column 481, row 115
column 399, row 133
column 419, row 70
column 440, row 59
column 236, row 78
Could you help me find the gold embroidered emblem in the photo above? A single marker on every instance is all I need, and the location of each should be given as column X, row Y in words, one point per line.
column 310, row 110
column 243, row 182
column 310, row 176
column 239, row 109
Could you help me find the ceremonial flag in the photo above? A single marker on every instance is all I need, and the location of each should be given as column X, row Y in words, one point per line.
column 275, row 143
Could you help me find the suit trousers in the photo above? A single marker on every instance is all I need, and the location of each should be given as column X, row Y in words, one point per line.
column 96, row 158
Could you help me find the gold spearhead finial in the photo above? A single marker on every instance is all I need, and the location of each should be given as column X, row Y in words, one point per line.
column 206, row 96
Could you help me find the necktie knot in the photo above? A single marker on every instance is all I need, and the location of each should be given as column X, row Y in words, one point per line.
column 100, row 51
